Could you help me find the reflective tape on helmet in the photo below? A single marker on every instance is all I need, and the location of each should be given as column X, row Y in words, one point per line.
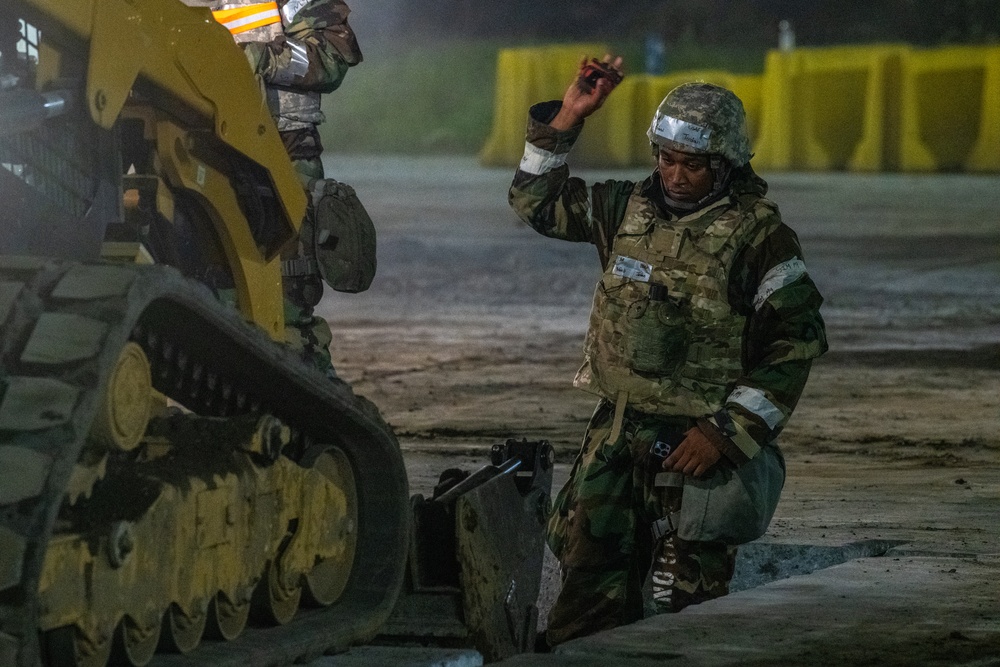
column 779, row 276
column 241, row 19
column 667, row 128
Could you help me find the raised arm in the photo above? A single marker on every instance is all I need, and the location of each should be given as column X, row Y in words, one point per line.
column 593, row 83
column 543, row 194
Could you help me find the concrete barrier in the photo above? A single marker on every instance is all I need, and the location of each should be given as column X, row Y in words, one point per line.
column 524, row 77
column 858, row 108
column 950, row 117
column 829, row 108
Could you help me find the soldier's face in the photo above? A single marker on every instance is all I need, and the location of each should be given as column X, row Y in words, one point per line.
column 686, row 177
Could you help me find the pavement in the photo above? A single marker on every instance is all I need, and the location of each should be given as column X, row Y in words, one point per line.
column 401, row 656
column 893, row 609
column 908, row 264
column 890, row 610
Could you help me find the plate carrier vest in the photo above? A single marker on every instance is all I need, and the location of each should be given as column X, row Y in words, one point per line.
column 662, row 334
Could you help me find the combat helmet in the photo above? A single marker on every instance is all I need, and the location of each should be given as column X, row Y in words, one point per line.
column 702, row 118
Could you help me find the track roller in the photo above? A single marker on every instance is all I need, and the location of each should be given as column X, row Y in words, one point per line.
column 275, row 603
column 182, row 633
column 226, row 619
column 124, row 414
column 328, row 577
column 135, row 642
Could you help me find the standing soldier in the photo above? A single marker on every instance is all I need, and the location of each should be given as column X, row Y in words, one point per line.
column 701, row 337
column 300, row 49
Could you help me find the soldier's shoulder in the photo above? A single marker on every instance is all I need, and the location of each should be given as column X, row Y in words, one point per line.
column 764, row 224
column 764, row 208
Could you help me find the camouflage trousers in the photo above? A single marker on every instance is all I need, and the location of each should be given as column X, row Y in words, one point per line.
column 304, row 146
column 310, row 337
column 306, row 333
column 600, row 530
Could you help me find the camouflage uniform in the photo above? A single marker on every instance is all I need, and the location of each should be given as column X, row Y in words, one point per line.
column 725, row 345
column 305, row 55
column 311, row 57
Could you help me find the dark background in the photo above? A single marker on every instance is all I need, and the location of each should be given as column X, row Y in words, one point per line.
column 746, row 23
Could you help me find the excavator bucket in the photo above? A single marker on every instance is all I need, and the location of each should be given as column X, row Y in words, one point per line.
column 476, row 555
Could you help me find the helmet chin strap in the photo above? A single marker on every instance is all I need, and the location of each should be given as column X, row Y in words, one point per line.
column 722, row 171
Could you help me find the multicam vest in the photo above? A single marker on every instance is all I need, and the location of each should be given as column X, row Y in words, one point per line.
column 254, row 21
column 662, row 333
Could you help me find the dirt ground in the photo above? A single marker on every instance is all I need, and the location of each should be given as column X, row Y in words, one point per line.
column 473, row 330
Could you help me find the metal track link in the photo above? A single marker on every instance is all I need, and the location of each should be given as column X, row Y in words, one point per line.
column 63, row 326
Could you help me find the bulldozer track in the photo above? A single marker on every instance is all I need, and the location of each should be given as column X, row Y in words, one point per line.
column 63, row 327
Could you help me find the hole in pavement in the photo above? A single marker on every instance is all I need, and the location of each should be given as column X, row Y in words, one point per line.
column 759, row 563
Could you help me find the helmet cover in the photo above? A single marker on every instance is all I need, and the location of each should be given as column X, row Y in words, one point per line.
column 702, row 118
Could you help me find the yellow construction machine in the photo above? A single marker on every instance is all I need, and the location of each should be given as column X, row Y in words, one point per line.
column 169, row 472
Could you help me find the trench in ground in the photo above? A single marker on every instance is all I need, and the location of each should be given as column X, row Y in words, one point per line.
column 760, row 563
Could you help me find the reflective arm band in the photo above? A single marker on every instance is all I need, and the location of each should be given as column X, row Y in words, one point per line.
column 756, row 402
column 296, row 67
column 291, row 10
column 538, row 161
column 779, row 276
column 243, row 19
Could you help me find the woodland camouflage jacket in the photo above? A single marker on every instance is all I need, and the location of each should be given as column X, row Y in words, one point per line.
column 322, row 27
column 319, row 27
column 767, row 282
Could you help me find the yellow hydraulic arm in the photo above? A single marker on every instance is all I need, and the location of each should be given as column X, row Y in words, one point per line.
column 183, row 70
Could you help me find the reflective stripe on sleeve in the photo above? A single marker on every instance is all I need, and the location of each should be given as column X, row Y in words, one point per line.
column 297, row 66
column 291, row 9
column 755, row 401
column 241, row 19
column 300, row 58
column 779, row 276
column 537, row 161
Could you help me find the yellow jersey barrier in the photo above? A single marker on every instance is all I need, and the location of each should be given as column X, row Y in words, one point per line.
column 524, row 77
column 829, row 109
column 951, row 110
column 855, row 108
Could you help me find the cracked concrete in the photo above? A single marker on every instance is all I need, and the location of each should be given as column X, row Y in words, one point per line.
column 884, row 611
